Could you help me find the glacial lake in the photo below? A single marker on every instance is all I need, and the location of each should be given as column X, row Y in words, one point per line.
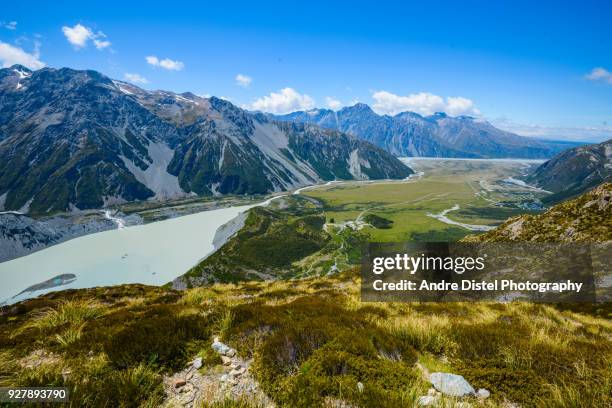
column 152, row 254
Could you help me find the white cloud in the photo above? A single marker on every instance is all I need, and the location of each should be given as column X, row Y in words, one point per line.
column 593, row 134
column 600, row 74
column 165, row 63
column 460, row 106
column 243, row 80
column 285, row 101
column 333, row 103
column 77, row 35
column 101, row 44
column 11, row 25
column 10, row 55
column 152, row 60
column 423, row 103
column 135, row 78
column 80, row 35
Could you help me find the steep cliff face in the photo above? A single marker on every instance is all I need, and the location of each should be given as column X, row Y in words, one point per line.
column 77, row 139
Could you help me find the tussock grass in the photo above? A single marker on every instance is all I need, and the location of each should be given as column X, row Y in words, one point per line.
column 571, row 395
column 312, row 341
column 223, row 322
column 70, row 336
column 72, row 313
column 231, row 403
column 198, row 296
column 425, row 334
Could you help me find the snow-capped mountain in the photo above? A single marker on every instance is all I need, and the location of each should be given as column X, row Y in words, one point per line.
column 438, row 135
column 77, row 139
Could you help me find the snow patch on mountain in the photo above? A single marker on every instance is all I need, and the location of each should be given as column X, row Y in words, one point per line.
column 22, row 74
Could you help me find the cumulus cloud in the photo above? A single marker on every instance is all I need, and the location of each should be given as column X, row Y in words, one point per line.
column 11, row 55
column 600, row 74
column 11, row 25
column 424, row 103
column 77, row 35
column 165, row 63
column 80, row 35
column 333, row 103
column 243, row 80
column 284, row 101
column 135, row 78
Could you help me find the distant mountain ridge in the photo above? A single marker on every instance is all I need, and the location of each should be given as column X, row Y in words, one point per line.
column 438, row 135
column 74, row 139
column 574, row 171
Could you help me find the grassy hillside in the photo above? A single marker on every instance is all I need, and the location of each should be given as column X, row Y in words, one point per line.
column 269, row 245
column 312, row 341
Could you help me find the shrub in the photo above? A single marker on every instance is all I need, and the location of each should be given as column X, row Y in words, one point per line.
column 159, row 336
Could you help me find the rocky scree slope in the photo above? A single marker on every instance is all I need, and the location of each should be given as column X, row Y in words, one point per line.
column 73, row 140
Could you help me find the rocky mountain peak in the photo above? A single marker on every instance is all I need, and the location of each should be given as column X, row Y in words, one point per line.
column 73, row 140
column 438, row 135
column 358, row 108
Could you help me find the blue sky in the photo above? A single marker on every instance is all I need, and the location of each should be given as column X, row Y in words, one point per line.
column 537, row 68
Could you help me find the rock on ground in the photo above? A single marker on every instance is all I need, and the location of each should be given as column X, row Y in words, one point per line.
column 451, row 384
column 230, row 380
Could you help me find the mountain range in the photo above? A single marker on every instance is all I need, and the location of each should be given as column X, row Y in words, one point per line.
column 438, row 135
column 72, row 139
column 574, row 171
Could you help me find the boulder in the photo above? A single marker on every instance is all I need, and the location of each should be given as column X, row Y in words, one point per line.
column 179, row 382
column 426, row 401
column 237, row 371
column 483, row 393
column 221, row 348
column 451, row 384
column 197, row 363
